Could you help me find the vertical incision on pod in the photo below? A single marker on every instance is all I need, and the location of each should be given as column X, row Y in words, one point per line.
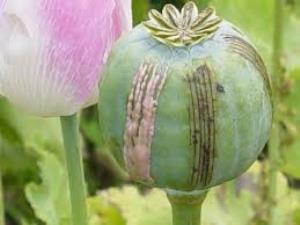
column 248, row 52
column 201, row 109
column 139, row 128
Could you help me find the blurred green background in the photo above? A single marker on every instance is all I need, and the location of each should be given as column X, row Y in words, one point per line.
column 32, row 164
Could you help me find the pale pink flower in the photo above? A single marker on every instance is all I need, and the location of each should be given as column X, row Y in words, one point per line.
column 52, row 51
column 1, row 5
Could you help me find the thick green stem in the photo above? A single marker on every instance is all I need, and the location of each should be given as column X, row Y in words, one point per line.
column 2, row 221
column 186, row 206
column 75, row 169
column 274, row 150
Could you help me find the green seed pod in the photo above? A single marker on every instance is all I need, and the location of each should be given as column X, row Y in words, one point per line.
column 185, row 100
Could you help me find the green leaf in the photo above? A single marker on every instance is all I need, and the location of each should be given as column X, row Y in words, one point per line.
column 13, row 157
column 51, row 202
column 21, row 135
column 9, row 133
column 148, row 209
column 103, row 212
column 29, row 132
column 50, row 198
column 153, row 207
column 236, row 202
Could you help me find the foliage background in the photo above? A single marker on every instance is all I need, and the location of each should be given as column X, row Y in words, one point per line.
column 32, row 164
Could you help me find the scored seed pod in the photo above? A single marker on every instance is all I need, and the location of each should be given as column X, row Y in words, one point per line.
column 185, row 100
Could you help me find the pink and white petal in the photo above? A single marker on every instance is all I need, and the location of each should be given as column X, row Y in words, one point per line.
column 118, row 23
column 80, row 33
column 27, row 80
column 2, row 2
column 53, row 55
column 125, row 6
column 26, row 11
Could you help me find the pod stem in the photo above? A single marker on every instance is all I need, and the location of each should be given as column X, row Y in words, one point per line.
column 186, row 206
column 74, row 165
column 2, row 214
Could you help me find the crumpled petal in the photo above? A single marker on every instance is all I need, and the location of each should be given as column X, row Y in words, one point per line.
column 52, row 51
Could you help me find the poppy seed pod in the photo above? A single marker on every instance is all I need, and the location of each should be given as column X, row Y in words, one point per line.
column 185, row 100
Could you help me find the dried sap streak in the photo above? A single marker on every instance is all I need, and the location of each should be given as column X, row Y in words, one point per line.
column 139, row 129
column 202, row 125
column 248, row 52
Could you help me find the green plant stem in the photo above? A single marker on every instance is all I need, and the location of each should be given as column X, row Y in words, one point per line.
column 2, row 214
column 274, row 155
column 277, row 42
column 75, row 169
column 105, row 158
column 274, row 150
column 186, row 206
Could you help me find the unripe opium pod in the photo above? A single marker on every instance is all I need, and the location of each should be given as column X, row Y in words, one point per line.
column 185, row 100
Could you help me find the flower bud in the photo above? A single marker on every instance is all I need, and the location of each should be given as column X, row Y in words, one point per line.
column 185, row 101
column 52, row 51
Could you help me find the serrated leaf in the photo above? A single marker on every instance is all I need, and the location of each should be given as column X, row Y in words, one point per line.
column 151, row 208
column 51, row 202
column 233, row 203
column 50, row 198
column 154, row 208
